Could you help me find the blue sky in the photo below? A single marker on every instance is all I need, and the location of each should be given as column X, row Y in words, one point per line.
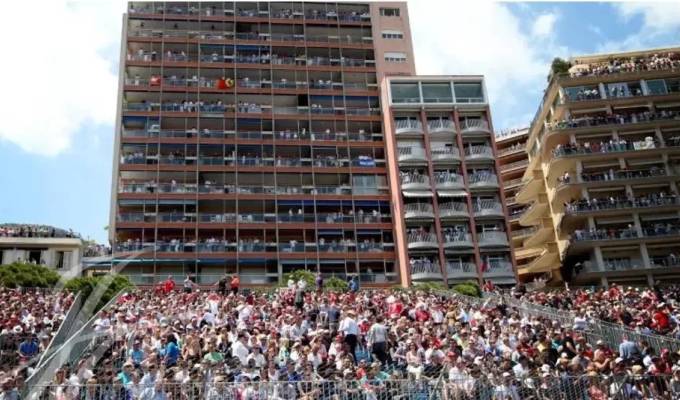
column 55, row 161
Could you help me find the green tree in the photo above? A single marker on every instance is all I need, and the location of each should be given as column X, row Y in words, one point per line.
column 469, row 288
column 110, row 284
column 559, row 66
column 336, row 284
column 27, row 275
column 429, row 286
column 305, row 275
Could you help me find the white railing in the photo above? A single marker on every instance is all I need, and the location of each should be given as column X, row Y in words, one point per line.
column 421, row 267
column 485, row 206
column 418, row 208
column 457, row 237
column 422, row 238
column 445, row 153
column 411, row 152
column 474, row 125
column 407, row 125
column 465, row 269
column 485, row 177
column 478, row 151
column 453, row 207
column 499, row 237
column 445, row 179
column 499, row 268
column 418, row 179
column 437, row 125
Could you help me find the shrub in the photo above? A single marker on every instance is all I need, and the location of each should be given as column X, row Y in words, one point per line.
column 111, row 284
column 336, row 284
column 305, row 275
column 469, row 288
column 559, row 66
column 27, row 275
column 429, row 286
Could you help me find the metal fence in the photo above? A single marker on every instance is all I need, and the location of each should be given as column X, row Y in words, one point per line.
column 553, row 387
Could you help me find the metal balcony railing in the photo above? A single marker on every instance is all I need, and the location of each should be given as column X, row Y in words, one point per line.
column 440, row 125
column 474, row 125
column 452, row 208
column 407, row 126
column 493, row 238
column 418, row 208
column 478, row 151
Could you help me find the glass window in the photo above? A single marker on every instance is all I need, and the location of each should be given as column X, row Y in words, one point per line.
column 393, row 56
column 405, row 93
column 437, row 93
column 389, row 12
column 673, row 85
column 656, row 86
column 468, row 92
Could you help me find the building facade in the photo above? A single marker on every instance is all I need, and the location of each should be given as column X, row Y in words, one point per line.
column 450, row 219
column 604, row 168
column 250, row 140
column 41, row 244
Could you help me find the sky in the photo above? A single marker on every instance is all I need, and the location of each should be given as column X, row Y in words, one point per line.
column 61, row 76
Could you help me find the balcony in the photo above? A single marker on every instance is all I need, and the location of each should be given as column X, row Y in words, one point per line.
column 412, row 155
column 492, row 239
column 457, row 240
column 523, row 233
column 603, row 234
column 497, row 269
column 425, row 270
column 479, row 153
column 533, row 213
column 611, row 205
column 511, row 184
column 522, row 164
column 461, row 270
column 488, row 208
column 412, row 181
column 470, row 126
column 605, row 177
column 419, row 240
column 418, row 211
column 404, row 127
column 483, row 180
column 440, row 126
column 453, row 209
column 448, row 180
column 442, row 155
column 618, row 119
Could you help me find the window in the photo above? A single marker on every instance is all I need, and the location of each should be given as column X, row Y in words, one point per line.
column 673, row 85
column 389, row 12
column 468, row 92
column 437, row 93
column 405, row 93
column 392, row 35
column 656, row 87
column 393, row 56
column 60, row 260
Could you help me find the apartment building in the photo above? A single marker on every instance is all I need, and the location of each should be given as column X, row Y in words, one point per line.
column 604, row 164
column 450, row 219
column 250, row 140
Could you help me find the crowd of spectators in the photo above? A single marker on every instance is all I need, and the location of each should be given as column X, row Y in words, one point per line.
column 35, row 231
column 300, row 343
column 612, row 145
column 628, row 64
column 29, row 318
column 648, row 310
column 606, row 203
column 609, row 119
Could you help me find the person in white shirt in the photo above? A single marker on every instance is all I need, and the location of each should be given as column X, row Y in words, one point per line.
column 350, row 330
column 257, row 357
column 240, row 350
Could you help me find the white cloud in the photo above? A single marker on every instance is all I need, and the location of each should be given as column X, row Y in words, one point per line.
column 657, row 17
column 486, row 38
column 58, row 71
column 544, row 24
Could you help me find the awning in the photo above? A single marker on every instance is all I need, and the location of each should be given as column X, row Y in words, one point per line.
column 410, row 193
column 452, row 193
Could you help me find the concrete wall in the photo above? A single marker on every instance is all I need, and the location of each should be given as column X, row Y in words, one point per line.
column 405, row 45
column 19, row 249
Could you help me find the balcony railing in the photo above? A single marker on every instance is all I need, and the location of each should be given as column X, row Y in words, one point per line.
column 411, row 154
column 487, row 208
column 469, row 125
column 597, row 148
column 513, row 165
column 453, row 209
column 584, row 206
column 657, row 230
column 415, row 210
column 460, row 269
column 413, row 181
column 448, row 180
column 493, row 238
column 523, row 232
column 622, row 174
column 483, row 179
column 440, row 125
column 511, row 150
column 479, row 151
column 425, row 269
column 445, row 154
column 498, row 268
column 604, row 234
column 457, row 239
column 416, row 240
column 614, row 119
column 511, row 183
column 403, row 126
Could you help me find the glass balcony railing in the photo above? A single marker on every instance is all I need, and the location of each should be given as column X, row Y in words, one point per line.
column 629, row 174
column 604, row 147
column 457, row 239
column 424, row 269
column 581, row 235
column 420, row 239
column 460, row 269
column 487, row 208
column 448, row 180
column 612, row 203
column 492, row 238
column 445, row 154
column 478, row 152
column 498, row 268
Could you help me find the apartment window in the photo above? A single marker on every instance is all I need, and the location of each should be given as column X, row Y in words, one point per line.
column 389, row 12
column 657, row 86
column 437, row 93
column 468, row 92
column 395, row 57
column 405, row 92
column 59, row 264
column 392, row 35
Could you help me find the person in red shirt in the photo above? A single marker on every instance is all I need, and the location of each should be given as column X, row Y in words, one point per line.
column 168, row 285
column 395, row 309
column 235, row 283
column 660, row 322
column 422, row 315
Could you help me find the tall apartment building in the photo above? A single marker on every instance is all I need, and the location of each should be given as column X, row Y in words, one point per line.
column 449, row 213
column 513, row 161
column 250, row 140
column 602, row 181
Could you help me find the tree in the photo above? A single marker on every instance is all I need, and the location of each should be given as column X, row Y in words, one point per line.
column 305, row 275
column 469, row 288
column 559, row 66
column 429, row 286
column 111, row 284
column 27, row 275
column 335, row 284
